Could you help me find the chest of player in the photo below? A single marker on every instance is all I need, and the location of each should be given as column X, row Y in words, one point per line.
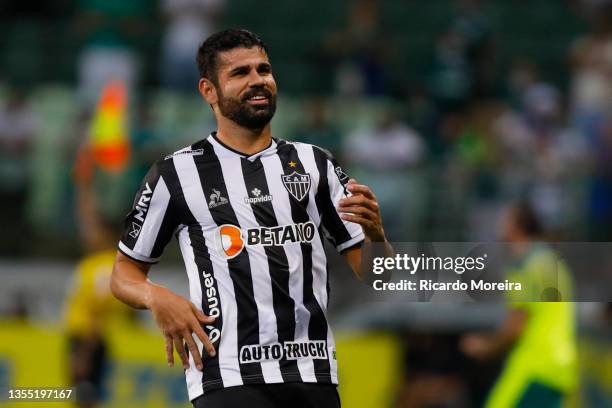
column 261, row 202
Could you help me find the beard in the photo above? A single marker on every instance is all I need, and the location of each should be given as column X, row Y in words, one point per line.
column 253, row 117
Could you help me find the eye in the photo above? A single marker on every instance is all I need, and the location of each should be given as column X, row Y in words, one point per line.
column 264, row 69
column 240, row 71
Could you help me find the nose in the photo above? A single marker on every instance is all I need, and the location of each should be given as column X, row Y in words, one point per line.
column 255, row 79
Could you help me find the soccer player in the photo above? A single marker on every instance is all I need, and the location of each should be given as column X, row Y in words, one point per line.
column 538, row 333
column 250, row 213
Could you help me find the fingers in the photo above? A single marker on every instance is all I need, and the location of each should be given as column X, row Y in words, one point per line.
column 169, row 350
column 358, row 200
column 355, row 188
column 364, row 222
column 197, row 329
column 178, row 345
column 361, row 211
column 201, row 316
column 193, row 349
column 208, row 346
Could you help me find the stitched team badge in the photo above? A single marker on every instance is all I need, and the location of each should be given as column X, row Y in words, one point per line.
column 297, row 184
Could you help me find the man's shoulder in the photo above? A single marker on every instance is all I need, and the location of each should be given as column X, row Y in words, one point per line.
column 190, row 150
column 317, row 150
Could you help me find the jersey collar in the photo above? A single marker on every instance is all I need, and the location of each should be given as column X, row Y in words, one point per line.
column 223, row 150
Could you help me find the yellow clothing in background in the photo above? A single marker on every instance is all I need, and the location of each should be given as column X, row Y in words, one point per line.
column 545, row 353
column 91, row 307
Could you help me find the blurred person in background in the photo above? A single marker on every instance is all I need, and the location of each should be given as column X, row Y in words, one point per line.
column 388, row 156
column 463, row 59
column 591, row 104
column 91, row 308
column 540, row 155
column 318, row 129
column 187, row 22
column 113, row 33
column 359, row 51
column 538, row 336
column 18, row 127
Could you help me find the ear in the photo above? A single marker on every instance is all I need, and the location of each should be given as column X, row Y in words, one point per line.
column 208, row 91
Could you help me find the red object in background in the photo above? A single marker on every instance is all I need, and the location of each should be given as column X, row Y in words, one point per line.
column 108, row 140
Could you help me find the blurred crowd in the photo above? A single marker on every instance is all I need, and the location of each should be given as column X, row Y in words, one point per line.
column 485, row 125
column 447, row 125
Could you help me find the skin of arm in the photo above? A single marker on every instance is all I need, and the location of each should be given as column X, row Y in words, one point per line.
column 177, row 318
column 488, row 346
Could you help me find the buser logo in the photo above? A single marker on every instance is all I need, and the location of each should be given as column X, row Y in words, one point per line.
column 231, row 240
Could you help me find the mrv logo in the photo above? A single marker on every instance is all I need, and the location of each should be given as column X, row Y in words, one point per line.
column 143, row 203
column 289, row 350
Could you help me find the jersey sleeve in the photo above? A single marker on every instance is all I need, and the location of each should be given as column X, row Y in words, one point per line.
column 332, row 188
column 150, row 224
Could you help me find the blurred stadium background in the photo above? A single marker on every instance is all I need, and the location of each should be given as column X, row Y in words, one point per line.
column 449, row 109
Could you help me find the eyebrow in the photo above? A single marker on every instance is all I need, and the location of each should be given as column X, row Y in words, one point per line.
column 243, row 67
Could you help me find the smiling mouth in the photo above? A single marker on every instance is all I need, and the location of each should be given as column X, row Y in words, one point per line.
column 258, row 100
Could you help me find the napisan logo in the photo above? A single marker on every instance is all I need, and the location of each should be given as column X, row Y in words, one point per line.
column 288, row 350
column 231, row 240
column 257, row 197
column 143, row 203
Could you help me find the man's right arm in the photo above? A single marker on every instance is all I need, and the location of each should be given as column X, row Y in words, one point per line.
column 129, row 282
column 177, row 317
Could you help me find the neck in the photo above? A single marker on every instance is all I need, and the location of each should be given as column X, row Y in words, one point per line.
column 247, row 141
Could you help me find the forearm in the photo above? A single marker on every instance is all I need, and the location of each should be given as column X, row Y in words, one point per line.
column 370, row 251
column 130, row 285
column 509, row 332
column 360, row 258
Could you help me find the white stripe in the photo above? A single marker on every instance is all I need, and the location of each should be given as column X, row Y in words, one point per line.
column 282, row 209
column 192, row 375
column 125, row 249
column 319, row 260
column 152, row 223
column 196, row 201
column 260, row 271
column 336, row 193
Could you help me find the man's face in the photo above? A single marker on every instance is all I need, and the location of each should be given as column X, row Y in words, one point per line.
column 246, row 89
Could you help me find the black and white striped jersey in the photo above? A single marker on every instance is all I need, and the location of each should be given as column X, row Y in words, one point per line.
column 250, row 229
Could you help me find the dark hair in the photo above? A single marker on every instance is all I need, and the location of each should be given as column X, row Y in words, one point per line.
column 527, row 220
column 223, row 41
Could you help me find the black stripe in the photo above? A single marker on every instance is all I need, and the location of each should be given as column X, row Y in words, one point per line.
column 211, row 177
column 317, row 327
column 284, row 306
column 330, row 220
column 133, row 224
column 149, row 179
column 212, row 372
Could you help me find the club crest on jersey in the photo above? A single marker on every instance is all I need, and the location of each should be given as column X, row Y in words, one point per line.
column 297, row 184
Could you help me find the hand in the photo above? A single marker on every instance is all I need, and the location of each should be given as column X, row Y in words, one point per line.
column 178, row 318
column 84, row 166
column 477, row 346
column 362, row 208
